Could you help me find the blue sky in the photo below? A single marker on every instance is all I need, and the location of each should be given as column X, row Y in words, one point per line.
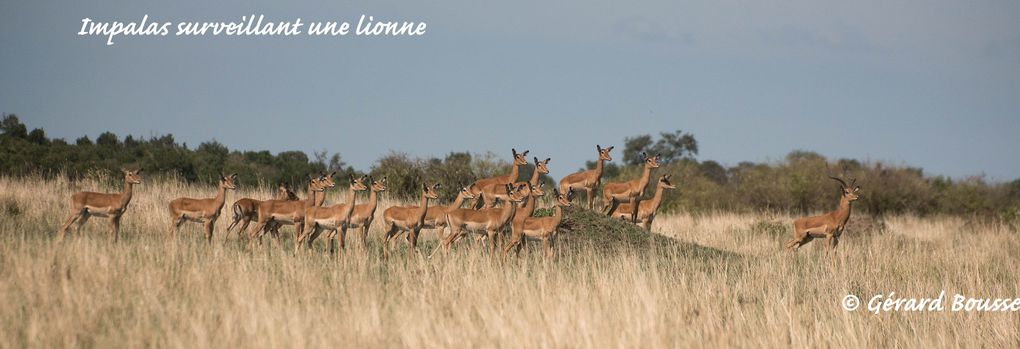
column 934, row 84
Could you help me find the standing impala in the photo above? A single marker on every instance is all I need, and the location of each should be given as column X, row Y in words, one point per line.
column 486, row 187
column 829, row 225
column 436, row 216
column 331, row 218
column 646, row 208
column 488, row 220
column 247, row 210
column 628, row 191
column 205, row 211
column 587, row 180
column 492, row 195
column 364, row 214
column 285, row 212
column 538, row 228
column 86, row 204
column 410, row 219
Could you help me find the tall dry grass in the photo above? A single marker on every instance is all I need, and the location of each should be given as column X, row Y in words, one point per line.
column 148, row 290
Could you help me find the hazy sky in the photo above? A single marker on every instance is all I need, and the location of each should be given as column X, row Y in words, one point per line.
column 927, row 83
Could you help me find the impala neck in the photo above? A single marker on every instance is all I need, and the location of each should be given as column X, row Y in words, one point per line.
column 221, row 197
column 310, row 201
column 350, row 201
column 373, row 197
column 528, row 208
column 318, row 197
column 557, row 215
column 534, row 176
column 599, row 166
column 843, row 212
column 422, row 210
column 515, row 172
column 643, row 183
column 508, row 212
column 657, row 199
column 125, row 195
column 457, row 201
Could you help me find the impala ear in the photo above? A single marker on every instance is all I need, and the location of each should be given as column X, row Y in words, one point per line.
column 599, row 148
column 384, row 179
column 526, row 152
column 610, row 148
column 643, row 156
column 138, row 171
column 536, row 160
column 331, row 174
column 857, row 189
column 541, row 184
column 547, row 160
column 233, row 175
column 435, row 187
column 514, row 151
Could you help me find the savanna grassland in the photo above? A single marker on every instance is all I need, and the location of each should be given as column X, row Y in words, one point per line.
column 709, row 279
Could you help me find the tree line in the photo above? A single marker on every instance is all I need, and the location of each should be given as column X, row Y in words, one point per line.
column 798, row 183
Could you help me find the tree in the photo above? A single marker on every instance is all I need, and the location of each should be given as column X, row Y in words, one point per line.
column 669, row 147
column 12, row 127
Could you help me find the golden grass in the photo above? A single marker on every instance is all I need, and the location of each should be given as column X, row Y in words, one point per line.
column 150, row 291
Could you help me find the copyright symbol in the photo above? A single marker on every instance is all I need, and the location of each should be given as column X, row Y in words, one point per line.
column 851, row 302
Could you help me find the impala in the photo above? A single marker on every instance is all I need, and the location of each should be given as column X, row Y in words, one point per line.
column 829, row 225
column 364, row 214
column 285, row 212
column 436, row 216
column 491, row 195
column 587, row 180
column 409, row 219
column 646, row 208
column 538, row 228
column 205, row 211
column 488, row 220
column 628, row 191
column 111, row 205
column 247, row 210
column 486, row 187
column 332, row 218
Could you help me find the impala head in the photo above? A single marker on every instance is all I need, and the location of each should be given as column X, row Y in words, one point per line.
column 604, row 152
column 227, row 181
column 563, row 199
column 286, row 192
column 517, row 193
column 650, row 162
column 540, row 166
column 665, row 183
column 326, row 181
column 315, row 183
column 133, row 177
column 379, row 185
column 520, row 159
column 537, row 190
column 430, row 192
column 358, row 183
column 850, row 192
column 465, row 193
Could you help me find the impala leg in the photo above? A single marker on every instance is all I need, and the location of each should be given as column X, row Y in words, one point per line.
column 364, row 236
column 210, row 224
column 390, row 233
column 634, row 209
column 114, row 228
column 81, row 223
column 175, row 226
column 74, row 216
column 257, row 233
column 591, row 199
column 413, row 240
column 611, row 207
column 515, row 241
column 341, row 238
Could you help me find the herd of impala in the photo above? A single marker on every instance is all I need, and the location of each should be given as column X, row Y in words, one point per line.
column 497, row 202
